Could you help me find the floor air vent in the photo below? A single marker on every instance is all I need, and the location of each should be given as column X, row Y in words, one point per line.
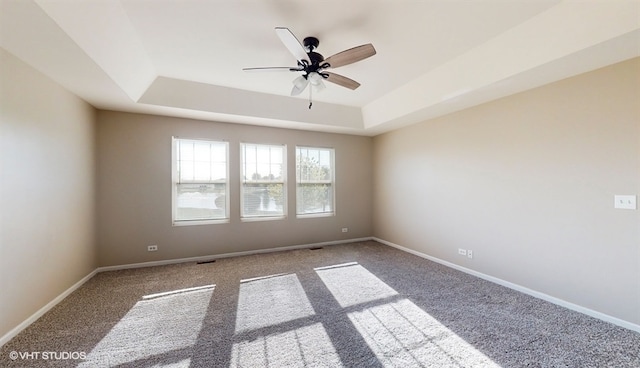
column 205, row 262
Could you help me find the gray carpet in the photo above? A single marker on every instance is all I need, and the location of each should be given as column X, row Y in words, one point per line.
column 352, row 305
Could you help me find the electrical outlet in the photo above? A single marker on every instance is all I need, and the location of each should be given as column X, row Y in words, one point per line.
column 462, row 252
column 152, row 248
column 470, row 253
column 627, row 202
column 345, row 229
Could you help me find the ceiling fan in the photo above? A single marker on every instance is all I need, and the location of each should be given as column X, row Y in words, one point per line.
column 313, row 65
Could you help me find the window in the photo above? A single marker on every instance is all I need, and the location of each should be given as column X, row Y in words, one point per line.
column 314, row 181
column 200, row 181
column 263, row 171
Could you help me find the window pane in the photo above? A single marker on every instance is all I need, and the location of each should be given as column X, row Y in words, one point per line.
column 276, row 155
column 201, row 201
column 314, row 176
column 200, row 183
column 263, row 200
column 185, row 149
column 263, row 186
column 186, row 171
column 202, row 152
column 202, row 171
column 219, row 153
column 201, row 161
column 219, row 171
column 314, row 198
column 314, row 165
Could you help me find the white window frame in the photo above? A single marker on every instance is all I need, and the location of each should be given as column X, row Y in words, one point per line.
column 330, row 182
column 175, row 178
column 244, row 180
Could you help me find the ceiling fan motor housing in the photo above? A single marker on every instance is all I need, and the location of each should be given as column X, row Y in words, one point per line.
column 311, row 43
column 315, row 58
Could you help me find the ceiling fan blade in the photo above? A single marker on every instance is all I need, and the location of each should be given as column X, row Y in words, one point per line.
column 273, row 68
column 291, row 42
column 350, row 56
column 342, row 80
column 299, row 84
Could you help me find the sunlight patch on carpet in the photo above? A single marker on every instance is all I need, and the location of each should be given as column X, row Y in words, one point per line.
column 154, row 327
column 398, row 332
column 402, row 334
column 307, row 346
column 179, row 291
column 185, row 363
column 268, row 301
column 352, row 284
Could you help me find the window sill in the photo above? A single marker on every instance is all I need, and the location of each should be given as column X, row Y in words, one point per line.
column 313, row 215
column 255, row 219
column 199, row 222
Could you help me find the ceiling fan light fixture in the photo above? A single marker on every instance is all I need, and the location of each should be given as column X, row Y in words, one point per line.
column 315, row 78
column 300, row 82
column 316, row 81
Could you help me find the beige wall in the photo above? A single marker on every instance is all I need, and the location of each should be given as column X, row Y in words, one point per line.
column 527, row 183
column 134, row 190
column 46, row 191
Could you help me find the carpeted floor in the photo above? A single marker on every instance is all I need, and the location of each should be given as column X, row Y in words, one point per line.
column 352, row 305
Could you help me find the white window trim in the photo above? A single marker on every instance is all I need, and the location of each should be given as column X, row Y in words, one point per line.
column 175, row 179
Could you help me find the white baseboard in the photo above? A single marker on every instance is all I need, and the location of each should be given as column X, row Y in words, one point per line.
column 11, row 334
column 16, row 330
column 227, row 255
column 520, row 288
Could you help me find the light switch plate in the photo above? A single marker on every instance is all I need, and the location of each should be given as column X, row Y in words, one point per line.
column 627, row 202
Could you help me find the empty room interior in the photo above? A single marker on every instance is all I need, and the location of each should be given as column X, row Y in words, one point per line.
column 331, row 184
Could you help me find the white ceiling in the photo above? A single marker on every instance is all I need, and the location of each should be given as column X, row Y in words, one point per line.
column 185, row 58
